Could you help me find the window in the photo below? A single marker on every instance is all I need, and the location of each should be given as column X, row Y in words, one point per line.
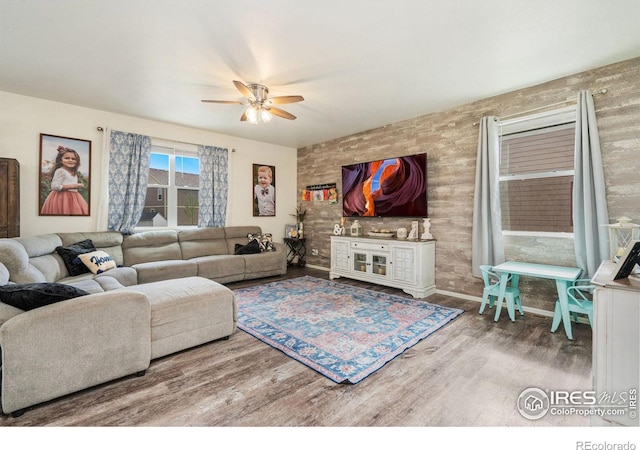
column 172, row 190
column 536, row 172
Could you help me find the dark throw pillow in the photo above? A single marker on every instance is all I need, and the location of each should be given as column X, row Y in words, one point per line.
column 251, row 247
column 70, row 254
column 34, row 295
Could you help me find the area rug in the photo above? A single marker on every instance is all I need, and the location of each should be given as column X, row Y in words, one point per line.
column 343, row 332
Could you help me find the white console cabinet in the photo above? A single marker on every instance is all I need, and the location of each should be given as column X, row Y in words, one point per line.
column 616, row 346
column 404, row 264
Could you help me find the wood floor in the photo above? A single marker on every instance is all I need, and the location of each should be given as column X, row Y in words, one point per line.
column 469, row 373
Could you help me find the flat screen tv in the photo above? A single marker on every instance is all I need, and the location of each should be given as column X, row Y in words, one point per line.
column 393, row 187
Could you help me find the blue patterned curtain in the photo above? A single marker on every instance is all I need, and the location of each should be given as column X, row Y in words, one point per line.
column 128, row 176
column 212, row 196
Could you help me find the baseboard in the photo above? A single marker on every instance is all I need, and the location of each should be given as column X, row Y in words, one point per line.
column 537, row 311
column 312, row 266
column 473, row 298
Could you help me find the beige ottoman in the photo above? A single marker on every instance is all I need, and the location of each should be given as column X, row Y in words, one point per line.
column 186, row 312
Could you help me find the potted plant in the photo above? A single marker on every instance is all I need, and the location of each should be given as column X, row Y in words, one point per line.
column 300, row 215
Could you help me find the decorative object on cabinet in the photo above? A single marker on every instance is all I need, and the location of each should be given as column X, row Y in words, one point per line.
column 300, row 216
column 356, row 229
column 290, row 230
column 402, row 233
column 627, row 262
column 427, row 226
column 406, row 265
column 620, row 235
column 9, row 198
column 413, row 234
column 64, row 162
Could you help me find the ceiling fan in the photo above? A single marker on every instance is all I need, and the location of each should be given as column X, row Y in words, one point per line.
column 259, row 106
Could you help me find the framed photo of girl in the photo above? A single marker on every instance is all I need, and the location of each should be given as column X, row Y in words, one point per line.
column 264, row 190
column 65, row 176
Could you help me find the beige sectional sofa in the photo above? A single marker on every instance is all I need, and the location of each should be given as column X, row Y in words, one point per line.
column 165, row 296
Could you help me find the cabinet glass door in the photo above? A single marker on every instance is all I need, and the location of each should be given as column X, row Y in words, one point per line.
column 360, row 262
column 379, row 265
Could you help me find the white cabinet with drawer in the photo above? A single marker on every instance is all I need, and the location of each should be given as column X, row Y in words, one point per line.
column 407, row 265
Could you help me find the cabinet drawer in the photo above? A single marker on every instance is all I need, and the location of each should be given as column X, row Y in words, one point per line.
column 370, row 246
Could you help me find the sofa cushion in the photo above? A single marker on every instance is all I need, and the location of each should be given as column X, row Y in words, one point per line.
column 221, row 268
column 69, row 255
column 165, row 270
column 34, row 295
column 108, row 241
column 265, row 241
column 252, row 247
column 202, row 242
column 98, row 261
column 150, row 246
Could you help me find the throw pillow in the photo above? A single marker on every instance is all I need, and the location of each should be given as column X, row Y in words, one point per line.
column 264, row 240
column 34, row 295
column 251, row 247
column 70, row 254
column 97, row 261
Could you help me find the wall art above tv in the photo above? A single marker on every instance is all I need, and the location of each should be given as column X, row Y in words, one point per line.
column 392, row 187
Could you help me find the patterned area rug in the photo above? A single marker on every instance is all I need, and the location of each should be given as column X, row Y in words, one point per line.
column 344, row 332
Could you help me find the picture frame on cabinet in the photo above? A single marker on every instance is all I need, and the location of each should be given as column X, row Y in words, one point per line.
column 627, row 263
column 291, row 230
column 64, row 181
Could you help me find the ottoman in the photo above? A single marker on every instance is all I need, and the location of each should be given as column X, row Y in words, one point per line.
column 186, row 312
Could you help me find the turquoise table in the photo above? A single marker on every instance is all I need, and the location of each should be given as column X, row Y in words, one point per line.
column 564, row 277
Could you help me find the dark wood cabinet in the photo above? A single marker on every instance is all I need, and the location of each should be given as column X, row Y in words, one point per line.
column 9, row 198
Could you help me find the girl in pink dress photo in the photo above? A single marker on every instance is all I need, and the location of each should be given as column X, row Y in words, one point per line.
column 65, row 198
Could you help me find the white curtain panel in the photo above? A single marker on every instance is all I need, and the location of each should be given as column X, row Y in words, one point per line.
column 487, row 247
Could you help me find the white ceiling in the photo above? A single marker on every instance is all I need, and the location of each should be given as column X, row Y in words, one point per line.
column 360, row 64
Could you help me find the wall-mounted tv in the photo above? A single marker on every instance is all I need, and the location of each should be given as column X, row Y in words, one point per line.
column 392, row 187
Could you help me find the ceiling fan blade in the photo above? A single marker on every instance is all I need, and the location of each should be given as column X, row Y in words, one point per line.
column 244, row 90
column 243, row 118
column 281, row 113
column 281, row 100
column 228, row 102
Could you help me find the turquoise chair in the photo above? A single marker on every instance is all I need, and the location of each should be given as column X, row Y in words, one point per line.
column 579, row 296
column 492, row 290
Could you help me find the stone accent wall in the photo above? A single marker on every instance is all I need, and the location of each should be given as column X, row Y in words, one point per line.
column 450, row 139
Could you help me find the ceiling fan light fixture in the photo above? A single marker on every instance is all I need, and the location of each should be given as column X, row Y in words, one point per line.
column 257, row 114
column 259, row 106
column 265, row 115
column 252, row 114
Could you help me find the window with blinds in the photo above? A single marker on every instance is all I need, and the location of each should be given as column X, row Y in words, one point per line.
column 536, row 178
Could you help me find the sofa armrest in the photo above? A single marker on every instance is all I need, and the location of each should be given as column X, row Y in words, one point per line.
column 62, row 348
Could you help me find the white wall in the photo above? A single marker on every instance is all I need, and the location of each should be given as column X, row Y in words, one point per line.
column 22, row 119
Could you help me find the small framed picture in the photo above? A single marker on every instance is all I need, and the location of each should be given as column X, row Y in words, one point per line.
column 290, row 230
column 264, row 190
column 65, row 176
column 628, row 261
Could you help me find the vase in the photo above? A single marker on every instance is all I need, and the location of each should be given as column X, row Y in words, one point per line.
column 300, row 231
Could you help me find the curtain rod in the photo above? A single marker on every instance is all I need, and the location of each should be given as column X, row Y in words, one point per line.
column 522, row 113
column 168, row 140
